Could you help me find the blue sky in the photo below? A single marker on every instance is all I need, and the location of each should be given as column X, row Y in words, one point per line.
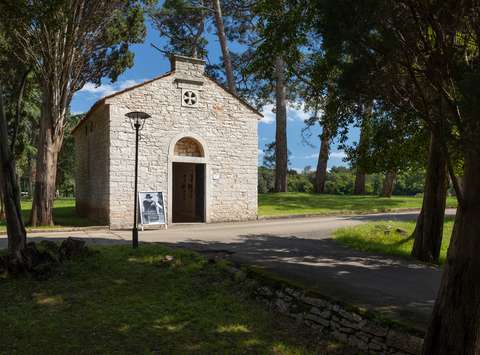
column 149, row 63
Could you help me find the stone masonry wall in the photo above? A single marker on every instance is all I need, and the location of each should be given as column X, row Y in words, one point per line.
column 92, row 167
column 332, row 318
column 226, row 126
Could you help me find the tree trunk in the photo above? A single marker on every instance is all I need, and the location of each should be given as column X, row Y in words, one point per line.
column 388, row 183
column 321, row 173
column 17, row 236
column 428, row 231
column 281, row 150
column 2, row 206
column 360, row 177
column 455, row 322
column 227, row 61
column 49, row 145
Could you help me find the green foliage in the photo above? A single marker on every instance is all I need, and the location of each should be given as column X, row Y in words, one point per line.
column 266, row 180
column 390, row 237
column 299, row 182
column 340, row 180
column 94, row 41
column 66, row 160
column 182, row 23
column 269, row 157
column 137, row 302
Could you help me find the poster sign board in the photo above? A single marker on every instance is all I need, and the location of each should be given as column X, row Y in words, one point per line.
column 152, row 208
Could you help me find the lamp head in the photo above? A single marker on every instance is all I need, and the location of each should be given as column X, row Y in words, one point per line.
column 137, row 118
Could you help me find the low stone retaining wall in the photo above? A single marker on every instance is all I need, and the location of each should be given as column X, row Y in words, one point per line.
column 342, row 322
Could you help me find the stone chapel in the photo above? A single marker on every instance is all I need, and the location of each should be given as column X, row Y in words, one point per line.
column 199, row 148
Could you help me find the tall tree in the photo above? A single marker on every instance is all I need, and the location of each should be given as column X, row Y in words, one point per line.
column 269, row 63
column 431, row 50
column 71, row 42
column 13, row 82
column 388, row 183
column 185, row 23
column 281, row 150
column 360, row 173
column 17, row 236
column 428, row 231
column 222, row 37
column 321, row 172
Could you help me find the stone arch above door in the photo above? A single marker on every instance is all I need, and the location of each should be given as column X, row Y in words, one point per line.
column 188, row 146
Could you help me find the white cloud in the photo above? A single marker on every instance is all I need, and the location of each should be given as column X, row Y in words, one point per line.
column 339, row 154
column 108, row 89
column 294, row 113
column 268, row 115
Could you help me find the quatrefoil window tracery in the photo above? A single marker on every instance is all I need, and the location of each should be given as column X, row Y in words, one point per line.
column 190, row 98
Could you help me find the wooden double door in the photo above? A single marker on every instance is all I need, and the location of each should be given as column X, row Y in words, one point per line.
column 188, row 193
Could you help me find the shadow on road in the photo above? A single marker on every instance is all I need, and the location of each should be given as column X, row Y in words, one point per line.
column 396, row 287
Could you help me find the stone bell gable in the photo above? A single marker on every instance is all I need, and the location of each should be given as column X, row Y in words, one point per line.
column 199, row 148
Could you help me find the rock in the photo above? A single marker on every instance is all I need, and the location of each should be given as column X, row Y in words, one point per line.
column 51, row 248
column 353, row 317
column 281, row 305
column 324, row 314
column 315, row 302
column 404, row 342
column 71, row 248
column 317, row 319
column 265, row 291
column 340, row 336
column 401, row 231
column 375, row 330
column 358, row 343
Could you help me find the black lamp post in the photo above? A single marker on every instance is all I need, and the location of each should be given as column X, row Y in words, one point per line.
column 137, row 120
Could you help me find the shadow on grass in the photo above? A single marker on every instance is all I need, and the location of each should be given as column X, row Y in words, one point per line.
column 133, row 301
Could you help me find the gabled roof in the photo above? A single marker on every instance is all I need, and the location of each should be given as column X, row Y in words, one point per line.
column 100, row 102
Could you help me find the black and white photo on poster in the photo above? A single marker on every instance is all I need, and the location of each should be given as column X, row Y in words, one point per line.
column 152, row 209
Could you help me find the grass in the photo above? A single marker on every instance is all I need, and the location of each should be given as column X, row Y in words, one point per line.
column 126, row 301
column 64, row 215
column 383, row 237
column 277, row 204
column 282, row 204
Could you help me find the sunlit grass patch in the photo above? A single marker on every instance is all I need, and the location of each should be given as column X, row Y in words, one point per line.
column 388, row 237
column 297, row 203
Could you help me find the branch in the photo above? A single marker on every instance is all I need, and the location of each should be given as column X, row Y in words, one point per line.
column 456, row 183
column 16, row 123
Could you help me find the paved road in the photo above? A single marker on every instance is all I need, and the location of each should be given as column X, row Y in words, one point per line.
column 301, row 249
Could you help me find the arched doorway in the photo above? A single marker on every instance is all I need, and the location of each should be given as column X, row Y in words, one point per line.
column 188, row 181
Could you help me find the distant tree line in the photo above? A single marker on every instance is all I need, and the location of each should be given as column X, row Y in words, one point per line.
column 340, row 180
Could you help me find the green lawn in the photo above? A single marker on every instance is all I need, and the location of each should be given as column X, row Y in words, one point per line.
column 124, row 301
column 281, row 204
column 382, row 237
column 64, row 215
